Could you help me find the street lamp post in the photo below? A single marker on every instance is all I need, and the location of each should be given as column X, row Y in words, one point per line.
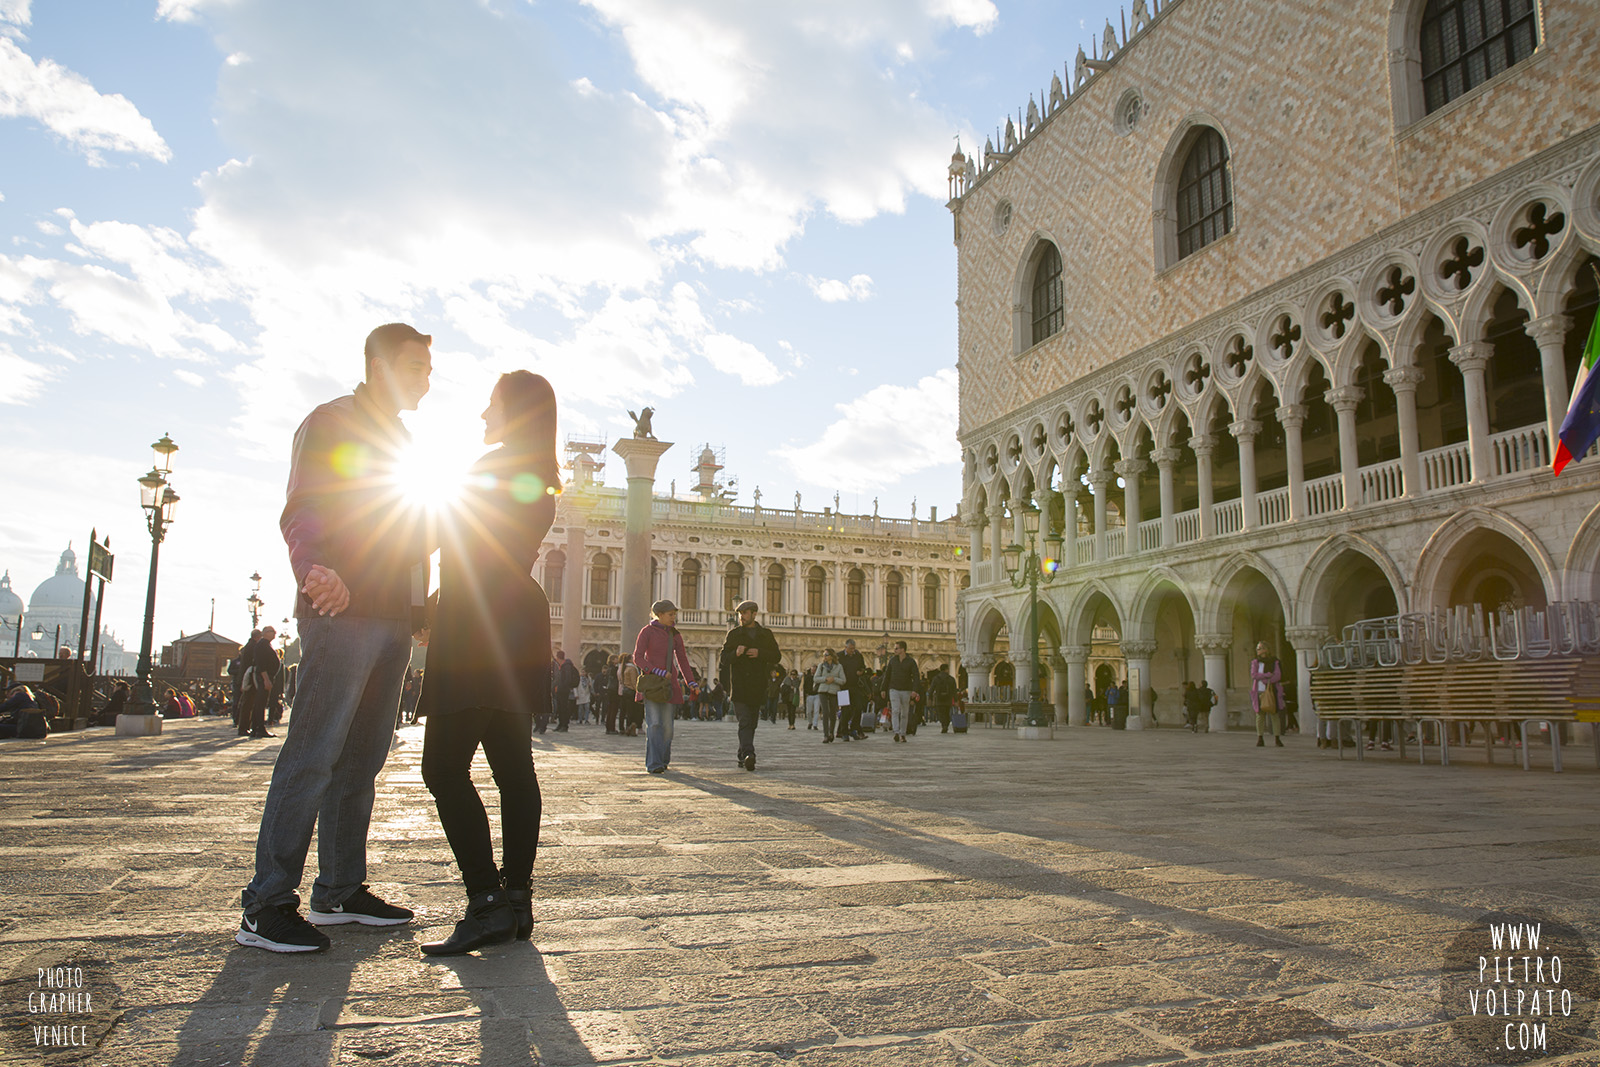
column 16, row 645
column 1027, row 570
column 255, row 601
column 159, row 501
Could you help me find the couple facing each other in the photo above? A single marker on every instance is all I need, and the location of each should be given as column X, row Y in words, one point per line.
column 360, row 556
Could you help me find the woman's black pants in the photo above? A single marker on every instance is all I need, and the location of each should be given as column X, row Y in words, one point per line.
column 451, row 740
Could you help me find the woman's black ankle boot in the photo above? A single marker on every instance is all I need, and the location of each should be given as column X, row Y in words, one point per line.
column 489, row 921
column 521, row 899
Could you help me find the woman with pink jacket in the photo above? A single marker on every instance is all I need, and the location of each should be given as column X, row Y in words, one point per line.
column 1266, row 694
column 659, row 653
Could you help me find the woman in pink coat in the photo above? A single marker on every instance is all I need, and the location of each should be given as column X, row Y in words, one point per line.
column 1266, row 694
column 659, row 651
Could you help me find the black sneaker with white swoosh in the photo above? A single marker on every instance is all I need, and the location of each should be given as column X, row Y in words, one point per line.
column 280, row 929
column 364, row 907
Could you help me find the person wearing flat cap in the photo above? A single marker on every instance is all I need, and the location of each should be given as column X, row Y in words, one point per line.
column 748, row 657
column 664, row 676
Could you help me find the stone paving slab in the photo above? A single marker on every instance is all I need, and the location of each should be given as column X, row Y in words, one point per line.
column 972, row 900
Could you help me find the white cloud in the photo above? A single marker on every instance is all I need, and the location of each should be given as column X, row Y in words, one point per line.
column 66, row 104
column 24, row 380
column 831, row 290
column 883, row 435
column 15, row 12
column 188, row 377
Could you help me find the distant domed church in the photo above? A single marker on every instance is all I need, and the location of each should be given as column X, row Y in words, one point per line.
column 56, row 601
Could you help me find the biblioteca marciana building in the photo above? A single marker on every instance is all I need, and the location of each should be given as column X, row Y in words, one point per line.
column 819, row 576
column 1269, row 314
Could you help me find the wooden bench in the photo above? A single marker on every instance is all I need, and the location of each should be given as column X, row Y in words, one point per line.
column 1549, row 691
column 997, row 713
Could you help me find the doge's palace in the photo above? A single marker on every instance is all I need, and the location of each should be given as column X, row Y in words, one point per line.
column 1272, row 312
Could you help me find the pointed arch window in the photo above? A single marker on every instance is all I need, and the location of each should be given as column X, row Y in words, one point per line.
column 1048, row 309
column 1467, row 42
column 1205, row 193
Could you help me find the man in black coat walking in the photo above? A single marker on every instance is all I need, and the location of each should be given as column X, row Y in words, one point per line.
column 748, row 657
column 857, row 681
column 565, row 677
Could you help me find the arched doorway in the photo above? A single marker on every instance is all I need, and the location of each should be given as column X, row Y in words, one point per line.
column 1251, row 611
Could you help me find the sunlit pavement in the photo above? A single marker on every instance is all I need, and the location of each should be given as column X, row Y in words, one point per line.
column 1102, row 898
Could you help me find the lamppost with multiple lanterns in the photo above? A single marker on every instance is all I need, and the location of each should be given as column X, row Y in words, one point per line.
column 255, row 601
column 159, row 501
column 1027, row 570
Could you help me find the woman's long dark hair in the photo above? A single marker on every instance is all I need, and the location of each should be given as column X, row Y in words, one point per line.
column 530, row 405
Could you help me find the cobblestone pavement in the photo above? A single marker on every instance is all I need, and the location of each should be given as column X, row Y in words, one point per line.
column 1103, row 898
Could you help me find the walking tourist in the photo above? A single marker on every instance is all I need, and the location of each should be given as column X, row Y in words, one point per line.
column 829, row 679
column 1266, row 694
column 355, row 617
column 565, row 678
column 488, row 661
column 749, row 655
column 664, row 675
column 904, row 682
column 857, row 701
column 941, row 695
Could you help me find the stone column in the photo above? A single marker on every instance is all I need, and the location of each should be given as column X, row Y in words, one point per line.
column 1058, row 689
column 1070, row 534
column 1472, row 358
column 978, row 669
column 1022, row 670
column 1245, row 431
column 1550, row 334
column 1404, row 382
column 1138, row 654
column 1344, row 400
column 1130, row 469
column 1203, row 445
column 1166, row 463
column 974, row 525
column 1306, row 641
column 572, row 582
column 1100, row 479
column 1293, row 417
column 640, row 454
column 1214, row 647
column 997, row 514
column 1077, row 658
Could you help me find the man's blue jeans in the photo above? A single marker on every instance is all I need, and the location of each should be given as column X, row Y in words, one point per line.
column 351, row 673
column 657, row 735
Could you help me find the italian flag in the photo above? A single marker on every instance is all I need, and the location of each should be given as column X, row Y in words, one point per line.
column 1581, row 428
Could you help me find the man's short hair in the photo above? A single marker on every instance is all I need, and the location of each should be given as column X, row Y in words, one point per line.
column 849, row 642
column 386, row 340
column 944, row 666
column 901, row 645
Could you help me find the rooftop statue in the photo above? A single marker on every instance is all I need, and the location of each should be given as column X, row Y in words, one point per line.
column 1058, row 95
column 1141, row 16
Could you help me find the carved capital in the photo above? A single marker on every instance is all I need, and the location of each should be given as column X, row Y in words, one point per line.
column 1203, row 444
column 1404, row 379
column 1130, row 467
column 1213, row 644
column 1344, row 399
column 1549, row 331
column 1292, row 415
column 997, row 512
column 1306, row 638
column 1472, row 357
column 1245, row 429
column 1075, row 655
column 982, row 663
column 1138, row 649
column 975, row 521
column 1099, row 477
column 1167, row 458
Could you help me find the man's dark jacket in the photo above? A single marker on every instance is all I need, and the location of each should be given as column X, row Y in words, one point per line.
column 855, row 665
column 902, row 673
column 345, row 509
column 747, row 675
column 941, row 689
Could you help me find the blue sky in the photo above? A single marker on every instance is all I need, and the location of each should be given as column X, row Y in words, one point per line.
column 729, row 210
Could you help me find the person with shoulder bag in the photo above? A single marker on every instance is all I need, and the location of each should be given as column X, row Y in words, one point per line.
column 1266, row 694
column 664, row 672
